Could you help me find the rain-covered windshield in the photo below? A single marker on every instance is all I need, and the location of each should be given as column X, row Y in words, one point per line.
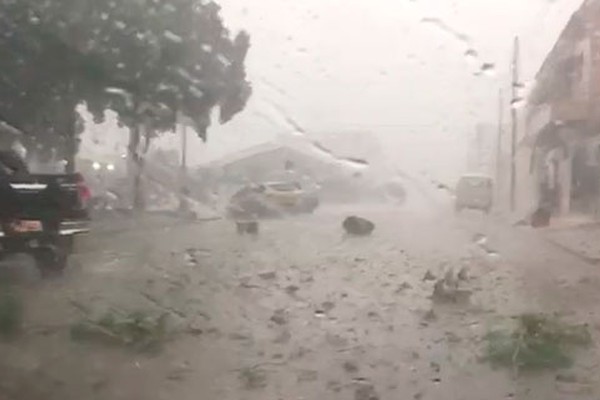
column 319, row 199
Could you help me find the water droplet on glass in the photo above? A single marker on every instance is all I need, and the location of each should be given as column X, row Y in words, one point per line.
column 471, row 54
column 480, row 239
column 488, row 69
column 197, row 93
column 173, row 37
column 321, row 149
column 517, row 102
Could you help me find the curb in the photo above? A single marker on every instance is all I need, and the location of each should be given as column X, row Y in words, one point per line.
column 588, row 259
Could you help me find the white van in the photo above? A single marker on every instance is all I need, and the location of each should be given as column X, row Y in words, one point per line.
column 474, row 192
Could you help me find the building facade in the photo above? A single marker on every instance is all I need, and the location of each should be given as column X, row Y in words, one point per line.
column 559, row 149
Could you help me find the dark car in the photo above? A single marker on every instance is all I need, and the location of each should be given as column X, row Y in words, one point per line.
column 40, row 214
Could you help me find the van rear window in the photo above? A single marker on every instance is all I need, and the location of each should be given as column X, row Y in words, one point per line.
column 476, row 182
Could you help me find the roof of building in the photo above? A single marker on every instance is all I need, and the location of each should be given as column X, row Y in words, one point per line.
column 264, row 148
column 574, row 29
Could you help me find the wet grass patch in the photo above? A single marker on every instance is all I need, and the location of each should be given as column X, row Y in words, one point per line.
column 536, row 342
column 137, row 330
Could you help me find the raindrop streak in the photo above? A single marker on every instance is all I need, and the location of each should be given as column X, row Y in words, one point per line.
column 446, row 28
column 355, row 162
column 319, row 147
column 273, row 86
column 297, row 129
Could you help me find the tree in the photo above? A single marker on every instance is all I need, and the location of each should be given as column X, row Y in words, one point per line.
column 145, row 59
column 170, row 58
column 40, row 77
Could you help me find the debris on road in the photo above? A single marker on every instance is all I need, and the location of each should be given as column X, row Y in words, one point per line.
column 463, row 274
column 444, row 293
column 249, row 227
column 267, row 275
column 430, row 316
column 358, row 226
column 307, row 376
column 350, row 367
column 403, row 287
column 138, row 330
column 328, row 306
column 429, row 276
column 365, row 391
column 190, row 258
column 253, row 378
column 292, row 290
column 279, row 317
column 283, row 338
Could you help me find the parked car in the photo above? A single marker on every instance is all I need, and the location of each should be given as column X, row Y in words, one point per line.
column 474, row 192
column 40, row 214
column 272, row 199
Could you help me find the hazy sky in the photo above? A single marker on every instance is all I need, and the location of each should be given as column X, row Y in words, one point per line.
column 396, row 68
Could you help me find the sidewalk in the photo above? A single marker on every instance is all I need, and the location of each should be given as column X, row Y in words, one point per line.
column 578, row 236
column 118, row 221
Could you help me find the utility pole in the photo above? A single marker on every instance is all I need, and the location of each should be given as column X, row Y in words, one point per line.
column 499, row 144
column 513, row 114
column 183, row 204
column 183, row 151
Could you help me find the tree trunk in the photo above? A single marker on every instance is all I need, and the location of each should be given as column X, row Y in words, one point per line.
column 136, row 161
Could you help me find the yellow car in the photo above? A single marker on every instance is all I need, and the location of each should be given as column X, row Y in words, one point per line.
column 284, row 194
column 272, row 199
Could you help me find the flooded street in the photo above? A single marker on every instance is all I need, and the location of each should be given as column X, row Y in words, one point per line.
column 302, row 311
column 317, row 200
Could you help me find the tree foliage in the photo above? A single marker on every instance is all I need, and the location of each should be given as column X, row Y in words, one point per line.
column 145, row 59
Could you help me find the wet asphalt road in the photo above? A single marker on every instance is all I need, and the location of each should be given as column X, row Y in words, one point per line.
column 302, row 311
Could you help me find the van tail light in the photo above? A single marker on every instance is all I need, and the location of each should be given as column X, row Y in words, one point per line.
column 85, row 194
